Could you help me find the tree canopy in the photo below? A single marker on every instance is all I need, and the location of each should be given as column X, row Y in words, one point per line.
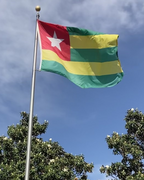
column 130, row 147
column 48, row 160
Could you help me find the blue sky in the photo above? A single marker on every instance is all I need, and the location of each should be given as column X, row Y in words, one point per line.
column 79, row 119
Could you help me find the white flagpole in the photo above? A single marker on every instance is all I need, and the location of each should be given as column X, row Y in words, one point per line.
column 27, row 170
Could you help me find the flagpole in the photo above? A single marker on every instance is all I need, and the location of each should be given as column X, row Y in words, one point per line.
column 27, row 170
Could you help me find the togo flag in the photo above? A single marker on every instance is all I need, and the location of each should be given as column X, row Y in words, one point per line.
column 87, row 58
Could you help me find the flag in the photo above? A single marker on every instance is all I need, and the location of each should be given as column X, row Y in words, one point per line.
column 87, row 58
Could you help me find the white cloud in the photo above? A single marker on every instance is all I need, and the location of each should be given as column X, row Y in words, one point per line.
column 18, row 22
column 110, row 15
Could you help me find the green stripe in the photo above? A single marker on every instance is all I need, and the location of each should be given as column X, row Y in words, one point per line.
column 80, row 31
column 81, row 80
column 94, row 55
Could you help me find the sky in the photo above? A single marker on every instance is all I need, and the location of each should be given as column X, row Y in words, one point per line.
column 79, row 119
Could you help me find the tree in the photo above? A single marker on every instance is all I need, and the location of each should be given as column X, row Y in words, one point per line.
column 48, row 160
column 130, row 146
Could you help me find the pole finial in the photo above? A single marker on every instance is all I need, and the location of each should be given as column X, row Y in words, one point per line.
column 37, row 8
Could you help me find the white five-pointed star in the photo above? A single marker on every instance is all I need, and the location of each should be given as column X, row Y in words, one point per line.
column 55, row 42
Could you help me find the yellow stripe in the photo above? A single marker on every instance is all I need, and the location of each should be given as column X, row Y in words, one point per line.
column 84, row 68
column 93, row 41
